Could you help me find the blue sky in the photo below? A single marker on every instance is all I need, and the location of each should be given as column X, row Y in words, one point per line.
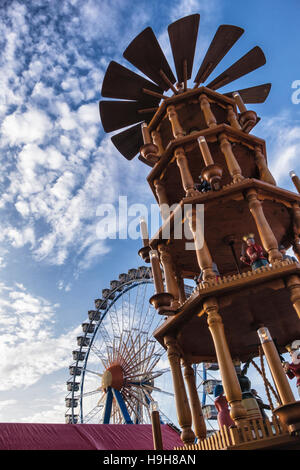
column 58, row 166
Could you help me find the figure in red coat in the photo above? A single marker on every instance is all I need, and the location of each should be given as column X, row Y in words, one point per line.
column 254, row 255
column 221, row 404
column 293, row 369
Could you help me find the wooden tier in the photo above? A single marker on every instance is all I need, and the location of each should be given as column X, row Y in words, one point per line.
column 243, row 146
column 246, row 303
column 226, row 213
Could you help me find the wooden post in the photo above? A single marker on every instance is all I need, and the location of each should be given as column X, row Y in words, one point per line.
column 203, row 255
column 264, row 172
column 230, row 381
column 170, row 279
column 156, row 272
column 156, row 430
column 232, row 118
column 186, row 177
column 206, row 109
column 162, row 198
column 232, row 164
column 293, row 284
column 266, row 234
column 157, row 141
column 176, row 127
column 181, row 399
column 278, row 374
column 196, row 409
column 180, row 283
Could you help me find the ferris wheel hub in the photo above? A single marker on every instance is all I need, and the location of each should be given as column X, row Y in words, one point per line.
column 113, row 377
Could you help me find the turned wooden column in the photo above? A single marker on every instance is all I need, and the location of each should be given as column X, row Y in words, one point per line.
column 186, row 177
column 232, row 164
column 293, row 284
column 274, row 362
column 265, row 232
column 230, row 381
column 202, row 252
column 199, row 425
column 162, row 198
column 181, row 400
column 176, row 126
column 232, row 118
column 170, row 279
column 157, row 141
column 206, row 109
column 180, row 283
column 264, row 172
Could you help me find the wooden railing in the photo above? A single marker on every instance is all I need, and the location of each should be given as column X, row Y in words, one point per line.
column 254, row 431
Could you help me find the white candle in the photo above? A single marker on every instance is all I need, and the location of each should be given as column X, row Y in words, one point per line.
column 240, row 103
column 146, row 133
column 205, row 151
column 144, row 231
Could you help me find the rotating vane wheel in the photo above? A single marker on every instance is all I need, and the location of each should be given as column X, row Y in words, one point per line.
column 117, row 369
column 144, row 96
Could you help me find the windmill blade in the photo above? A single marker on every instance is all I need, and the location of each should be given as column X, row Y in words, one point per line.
column 118, row 114
column 224, row 39
column 129, row 142
column 145, row 53
column 255, row 94
column 183, row 38
column 249, row 62
column 120, row 82
column 142, row 159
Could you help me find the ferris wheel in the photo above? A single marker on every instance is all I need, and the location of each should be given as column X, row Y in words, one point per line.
column 116, row 370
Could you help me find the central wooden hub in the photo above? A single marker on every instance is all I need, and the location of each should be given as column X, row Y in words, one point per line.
column 113, row 377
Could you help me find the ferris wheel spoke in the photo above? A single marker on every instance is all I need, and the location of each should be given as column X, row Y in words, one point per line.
column 93, row 372
column 156, row 357
column 92, row 392
column 147, row 359
column 157, row 389
column 129, row 402
column 99, row 355
column 135, row 366
column 91, row 414
column 139, row 399
column 137, row 353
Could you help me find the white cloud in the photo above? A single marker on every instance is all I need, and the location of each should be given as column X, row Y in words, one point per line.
column 30, row 126
column 28, row 348
column 282, row 135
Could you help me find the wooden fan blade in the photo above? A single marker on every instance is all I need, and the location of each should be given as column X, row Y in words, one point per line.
column 145, row 53
column 183, row 38
column 225, row 37
column 129, row 141
column 142, row 159
column 120, row 82
column 255, row 94
column 117, row 114
column 249, row 62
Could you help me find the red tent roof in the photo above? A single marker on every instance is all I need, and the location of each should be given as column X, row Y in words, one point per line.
column 38, row 436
